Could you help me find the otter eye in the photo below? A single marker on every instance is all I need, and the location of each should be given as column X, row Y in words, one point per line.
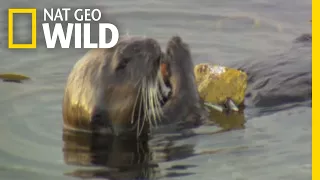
column 124, row 62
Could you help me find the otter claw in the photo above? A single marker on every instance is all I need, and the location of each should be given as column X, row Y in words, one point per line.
column 231, row 105
column 215, row 106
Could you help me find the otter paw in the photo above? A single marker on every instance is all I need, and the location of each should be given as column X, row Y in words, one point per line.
column 176, row 39
column 177, row 49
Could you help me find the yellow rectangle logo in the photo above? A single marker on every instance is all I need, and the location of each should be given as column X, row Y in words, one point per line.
column 33, row 13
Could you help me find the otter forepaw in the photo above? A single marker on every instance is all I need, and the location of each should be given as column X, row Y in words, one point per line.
column 176, row 39
column 177, row 49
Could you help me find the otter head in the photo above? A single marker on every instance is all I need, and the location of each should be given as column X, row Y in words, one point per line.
column 135, row 88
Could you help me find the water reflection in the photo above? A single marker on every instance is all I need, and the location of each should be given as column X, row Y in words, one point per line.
column 229, row 121
column 116, row 158
column 108, row 157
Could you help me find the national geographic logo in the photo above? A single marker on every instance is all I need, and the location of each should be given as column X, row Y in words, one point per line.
column 33, row 43
column 77, row 23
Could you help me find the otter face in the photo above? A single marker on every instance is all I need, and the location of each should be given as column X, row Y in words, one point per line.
column 134, row 59
column 135, row 86
column 130, row 88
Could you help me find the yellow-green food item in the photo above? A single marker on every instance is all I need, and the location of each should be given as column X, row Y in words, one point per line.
column 13, row 77
column 217, row 83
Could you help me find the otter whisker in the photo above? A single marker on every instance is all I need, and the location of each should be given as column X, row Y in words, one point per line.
column 148, row 103
column 149, row 109
column 139, row 119
column 158, row 96
column 144, row 94
column 136, row 101
column 156, row 103
column 152, row 103
column 141, row 95
column 140, row 108
column 151, row 100
column 134, row 107
column 127, row 33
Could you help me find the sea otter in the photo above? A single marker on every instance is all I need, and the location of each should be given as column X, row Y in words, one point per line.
column 131, row 88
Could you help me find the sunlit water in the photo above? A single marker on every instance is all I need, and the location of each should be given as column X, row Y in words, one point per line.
column 272, row 141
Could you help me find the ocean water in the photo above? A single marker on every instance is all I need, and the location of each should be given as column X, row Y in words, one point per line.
column 272, row 140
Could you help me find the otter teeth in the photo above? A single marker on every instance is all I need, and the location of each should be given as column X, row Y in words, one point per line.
column 165, row 90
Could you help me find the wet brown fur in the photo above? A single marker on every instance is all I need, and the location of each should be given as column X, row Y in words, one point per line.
column 102, row 87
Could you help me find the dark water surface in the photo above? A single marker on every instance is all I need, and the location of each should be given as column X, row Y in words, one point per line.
column 272, row 140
